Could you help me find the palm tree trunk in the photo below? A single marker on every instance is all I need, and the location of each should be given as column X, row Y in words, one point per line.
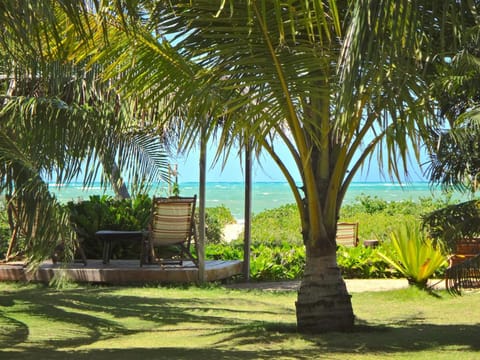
column 116, row 181
column 323, row 303
column 118, row 186
column 13, row 225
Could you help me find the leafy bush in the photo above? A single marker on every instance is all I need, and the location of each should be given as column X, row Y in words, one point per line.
column 277, row 225
column 277, row 250
column 282, row 261
column 378, row 218
column 362, row 263
column 105, row 212
column 222, row 251
column 412, row 254
column 221, row 214
column 285, row 261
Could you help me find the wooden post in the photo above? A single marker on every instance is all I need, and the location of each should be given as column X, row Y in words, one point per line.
column 201, row 212
column 248, row 212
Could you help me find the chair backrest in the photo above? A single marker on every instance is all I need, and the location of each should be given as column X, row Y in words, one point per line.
column 468, row 246
column 172, row 220
column 347, row 234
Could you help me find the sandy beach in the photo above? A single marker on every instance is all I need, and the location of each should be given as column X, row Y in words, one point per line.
column 232, row 231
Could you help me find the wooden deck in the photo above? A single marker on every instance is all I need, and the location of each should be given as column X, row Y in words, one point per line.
column 122, row 272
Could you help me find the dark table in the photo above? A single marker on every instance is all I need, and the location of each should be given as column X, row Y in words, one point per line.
column 109, row 236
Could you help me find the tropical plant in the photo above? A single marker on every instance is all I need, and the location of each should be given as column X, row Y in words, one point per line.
column 413, row 254
column 337, row 81
column 456, row 221
column 58, row 120
column 104, row 212
column 333, row 81
column 455, row 150
column 277, row 225
column 363, row 262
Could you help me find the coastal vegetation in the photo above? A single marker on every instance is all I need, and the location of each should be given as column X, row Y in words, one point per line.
column 277, row 251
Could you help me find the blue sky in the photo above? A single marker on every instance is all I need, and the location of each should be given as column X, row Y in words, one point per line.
column 266, row 170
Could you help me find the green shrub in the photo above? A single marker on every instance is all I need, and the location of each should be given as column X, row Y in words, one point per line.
column 268, row 262
column 222, row 251
column 372, row 205
column 105, row 212
column 285, row 261
column 277, row 225
column 366, row 204
column 280, row 262
column 362, row 263
column 221, row 213
column 412, row 254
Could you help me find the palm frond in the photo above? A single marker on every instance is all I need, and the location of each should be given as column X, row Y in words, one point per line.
column 58, row 116
column 454, row 222
column 455, row 157
column 41, row 220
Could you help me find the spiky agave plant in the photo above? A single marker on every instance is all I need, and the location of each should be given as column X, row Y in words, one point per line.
column 413, row 254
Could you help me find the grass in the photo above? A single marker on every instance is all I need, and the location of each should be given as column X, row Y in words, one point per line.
column 86, row 322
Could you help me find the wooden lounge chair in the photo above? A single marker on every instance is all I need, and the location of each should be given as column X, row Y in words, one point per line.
column 172, row 223
column 347, row 234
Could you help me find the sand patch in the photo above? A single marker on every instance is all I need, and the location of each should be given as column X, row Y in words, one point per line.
column 232, row 231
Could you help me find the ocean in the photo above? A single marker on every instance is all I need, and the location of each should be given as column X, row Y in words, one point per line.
column 265, row 195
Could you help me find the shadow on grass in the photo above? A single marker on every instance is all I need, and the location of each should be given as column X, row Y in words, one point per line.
column 402, row 339
column 364, row 339
column 368, row 338
column 96, row 314
column 161, row 353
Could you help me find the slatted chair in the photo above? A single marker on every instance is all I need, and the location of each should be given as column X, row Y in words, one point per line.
column 463, row 271
column 465, row 249
column 172, row 223
column 347, row 234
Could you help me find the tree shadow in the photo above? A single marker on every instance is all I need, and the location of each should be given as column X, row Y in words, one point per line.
column 405, row 337
column 234, row 328
column 79, row 307
column 161, row 353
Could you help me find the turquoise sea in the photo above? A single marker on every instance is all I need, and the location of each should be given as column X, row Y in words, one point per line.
column 265, row 195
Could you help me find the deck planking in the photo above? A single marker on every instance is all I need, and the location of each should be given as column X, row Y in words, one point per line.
column 122, row 272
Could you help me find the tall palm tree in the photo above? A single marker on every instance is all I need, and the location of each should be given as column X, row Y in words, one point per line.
column 339, row 82
column 333, row 80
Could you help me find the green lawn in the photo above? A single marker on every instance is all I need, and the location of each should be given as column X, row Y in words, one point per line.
column 38, row 322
